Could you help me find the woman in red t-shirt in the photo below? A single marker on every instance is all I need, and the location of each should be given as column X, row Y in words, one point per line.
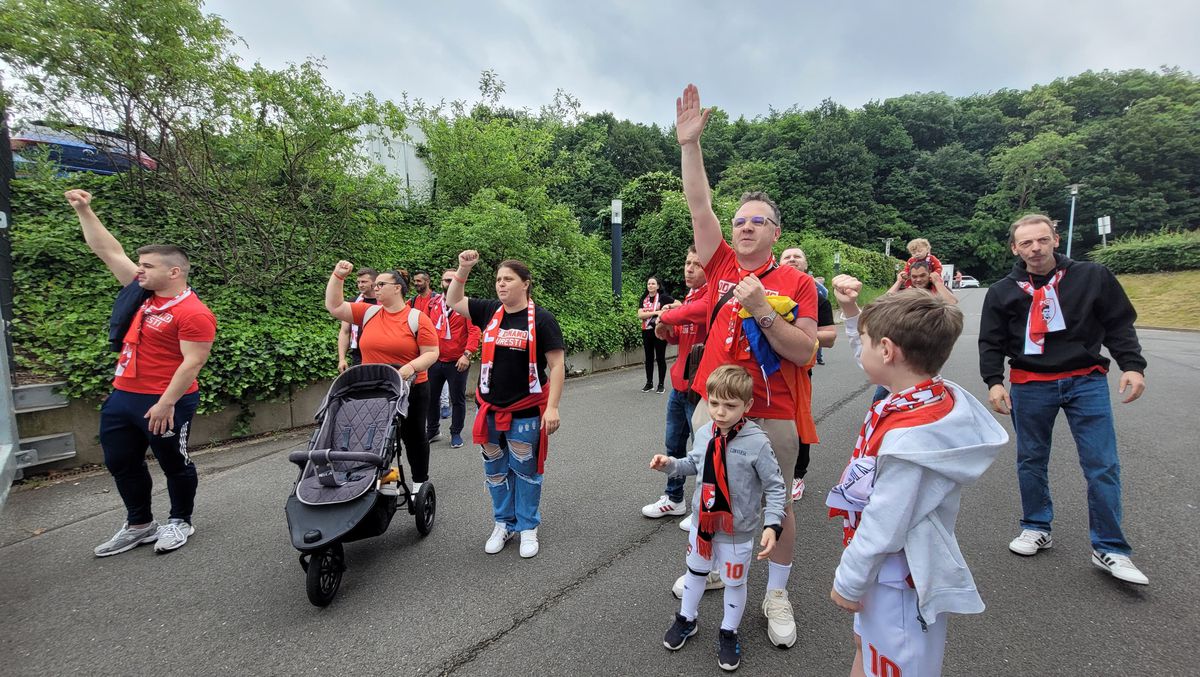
column 388, row 339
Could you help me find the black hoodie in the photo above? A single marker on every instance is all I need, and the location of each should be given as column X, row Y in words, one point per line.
column 1096, row 311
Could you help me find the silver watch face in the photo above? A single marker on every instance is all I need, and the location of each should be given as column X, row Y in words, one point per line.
column 766, row 322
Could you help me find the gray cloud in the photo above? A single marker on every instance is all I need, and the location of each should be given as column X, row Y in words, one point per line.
column 633, row 58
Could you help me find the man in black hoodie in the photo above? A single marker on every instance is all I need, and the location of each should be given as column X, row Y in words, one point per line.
column 1050, row 317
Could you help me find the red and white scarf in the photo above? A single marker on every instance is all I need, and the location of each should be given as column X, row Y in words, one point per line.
column 127, row 362
column 716, row 503
column 443, row 322
column 1045, row 313
column 733, row 339
column 650, row 303
column 489, row 350
column 858, row 479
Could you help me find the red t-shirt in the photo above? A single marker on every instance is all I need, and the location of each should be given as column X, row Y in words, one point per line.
column 424, row 303
column 691, row 326
column 387, row 339
column 773, row 398
column 158, row 354
column 464, row 336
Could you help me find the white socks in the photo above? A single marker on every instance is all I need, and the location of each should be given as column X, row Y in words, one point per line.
column 693, row 590
column 777, row 575
column 735, row 606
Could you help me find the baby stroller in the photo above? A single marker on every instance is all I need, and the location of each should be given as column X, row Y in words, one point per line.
column 351, row 479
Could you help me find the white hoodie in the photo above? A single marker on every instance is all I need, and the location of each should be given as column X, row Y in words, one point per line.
column 919, row 475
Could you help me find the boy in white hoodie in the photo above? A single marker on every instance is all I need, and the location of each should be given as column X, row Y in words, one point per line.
column 902, row 571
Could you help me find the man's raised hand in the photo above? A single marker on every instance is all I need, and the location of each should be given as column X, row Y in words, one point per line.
column 343, row 269
column 79, row 199
column 689, row 117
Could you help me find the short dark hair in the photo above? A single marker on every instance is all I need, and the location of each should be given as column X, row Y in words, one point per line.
column 369, row 272
column 760, row 196
column 175, row 256
column 920, row 264
column 922, row 325
column 692, row 249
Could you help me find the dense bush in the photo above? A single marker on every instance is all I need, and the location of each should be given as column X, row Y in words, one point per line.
column 1155, row 253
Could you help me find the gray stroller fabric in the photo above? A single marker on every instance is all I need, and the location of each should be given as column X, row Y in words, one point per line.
column 351, row 425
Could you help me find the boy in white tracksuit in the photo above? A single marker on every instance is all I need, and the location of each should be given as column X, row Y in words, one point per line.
column 902, row 571
column 737, row 472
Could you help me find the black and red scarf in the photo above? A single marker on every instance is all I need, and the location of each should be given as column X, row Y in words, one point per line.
column 488, row 357
column 716, row 505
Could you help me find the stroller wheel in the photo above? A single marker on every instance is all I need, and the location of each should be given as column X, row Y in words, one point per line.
column 324, row 574
column 425, row 508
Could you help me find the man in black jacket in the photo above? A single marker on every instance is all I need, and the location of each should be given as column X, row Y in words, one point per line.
column 1050, row 317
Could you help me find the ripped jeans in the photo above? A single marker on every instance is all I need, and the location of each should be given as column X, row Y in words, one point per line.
column 510, row 472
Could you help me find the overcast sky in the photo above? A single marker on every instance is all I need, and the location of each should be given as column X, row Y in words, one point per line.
column 634, row 57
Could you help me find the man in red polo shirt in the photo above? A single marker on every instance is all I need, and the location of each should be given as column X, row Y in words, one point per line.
column 155, row 392
column 745, row 275
column 458, row 339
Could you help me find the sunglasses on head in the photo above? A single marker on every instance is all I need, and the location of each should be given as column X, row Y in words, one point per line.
column 740, row 221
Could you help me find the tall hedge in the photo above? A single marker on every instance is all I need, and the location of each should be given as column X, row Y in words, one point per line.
column 1155, row 253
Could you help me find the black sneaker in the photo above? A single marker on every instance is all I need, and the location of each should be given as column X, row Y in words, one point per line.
column 659, row 389
column 729, row 650
column 679, row 632
column 648, row 387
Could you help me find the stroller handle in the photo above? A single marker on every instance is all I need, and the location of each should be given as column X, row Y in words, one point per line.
column 325, row 456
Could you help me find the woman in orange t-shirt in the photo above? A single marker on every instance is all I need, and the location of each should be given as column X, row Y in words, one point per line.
column 387, row 339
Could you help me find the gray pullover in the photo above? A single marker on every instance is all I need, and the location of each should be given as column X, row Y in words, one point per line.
column 753, row 472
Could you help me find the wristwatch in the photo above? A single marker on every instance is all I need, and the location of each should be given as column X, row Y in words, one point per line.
column 766, row 321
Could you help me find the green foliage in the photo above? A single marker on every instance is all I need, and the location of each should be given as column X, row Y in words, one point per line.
column 1151, row 253
column 873, row 268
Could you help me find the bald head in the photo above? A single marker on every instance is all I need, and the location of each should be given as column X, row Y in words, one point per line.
column 795, row 258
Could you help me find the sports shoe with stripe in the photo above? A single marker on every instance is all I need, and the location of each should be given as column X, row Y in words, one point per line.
column 127, row 539
column 1030, row 542
column 729, row 650
column 679, row 632
column 664, row 507
column 1120, row 566
column 173, row 535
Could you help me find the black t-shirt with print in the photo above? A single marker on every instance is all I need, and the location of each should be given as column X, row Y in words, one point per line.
column 510, row 369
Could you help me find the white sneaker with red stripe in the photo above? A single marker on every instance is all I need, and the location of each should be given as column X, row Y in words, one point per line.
column 664, row 507
column 797, row 488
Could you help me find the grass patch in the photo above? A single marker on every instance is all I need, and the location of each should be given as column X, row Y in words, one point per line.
column 1165, row 299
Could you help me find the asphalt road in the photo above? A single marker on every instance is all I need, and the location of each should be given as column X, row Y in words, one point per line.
column 596, row 600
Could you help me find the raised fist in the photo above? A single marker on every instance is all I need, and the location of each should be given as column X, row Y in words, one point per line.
column 846, row 288
column 468, row 259
column 343, row 269
column 79, row 199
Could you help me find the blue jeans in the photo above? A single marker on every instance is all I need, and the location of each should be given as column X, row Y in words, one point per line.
column 510, row 471
column 1085, row 400
column 679, row 428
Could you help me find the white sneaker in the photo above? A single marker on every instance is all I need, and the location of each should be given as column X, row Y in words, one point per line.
column 711, row 582
column 797, row 488
column 664, row 507
column 1030, row 542
column 686, row 522
column 781, row 625
column 500, row 535
column 173, row 535
column 1120, row 567
column 529, row 543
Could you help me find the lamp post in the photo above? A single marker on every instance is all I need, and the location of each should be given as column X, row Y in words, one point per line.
column 1074, row 187
column 616, row 248
column 887, row 245
column 837, row 263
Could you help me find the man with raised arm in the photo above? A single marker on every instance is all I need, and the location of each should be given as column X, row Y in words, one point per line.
column 155, row 392
column 765, row 320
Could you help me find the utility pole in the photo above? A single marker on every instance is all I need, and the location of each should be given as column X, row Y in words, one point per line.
column 1074, row 188
column 616, row 248
column 887, row 245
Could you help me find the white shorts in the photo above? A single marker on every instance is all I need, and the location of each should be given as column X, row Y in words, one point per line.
column 893, row 643
column 732, row 559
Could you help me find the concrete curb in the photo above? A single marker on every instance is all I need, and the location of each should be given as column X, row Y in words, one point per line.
column 1183, row 329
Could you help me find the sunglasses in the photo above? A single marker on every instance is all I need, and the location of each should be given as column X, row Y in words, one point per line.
column 760, row 221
